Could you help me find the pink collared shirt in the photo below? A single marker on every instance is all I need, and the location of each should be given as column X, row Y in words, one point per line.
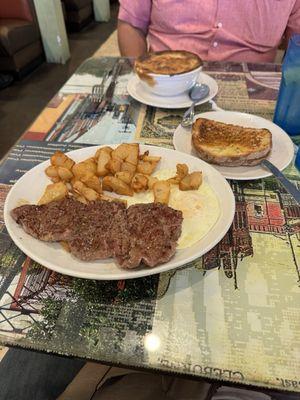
column 236, row 30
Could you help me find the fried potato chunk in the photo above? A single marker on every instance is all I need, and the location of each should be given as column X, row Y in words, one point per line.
column 128, row 152
column 83, row 168
column 105, row 149
column 59, row 159
column 139, row 183
column 64, row 174
column 114, row 184
column 181, row 171
column 53, row 192
column 145, row 167
column 125, row 176
column 191, row 181
column 127, row 166
column 93, row 182
column 103, row 159
column 151, row 181
column 161, row 191
column 114, row 165
column 88, row 193
column 51, row 171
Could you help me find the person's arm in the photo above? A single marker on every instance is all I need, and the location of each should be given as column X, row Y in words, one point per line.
column 132, row 41
column 294, row 21
column 133, row 23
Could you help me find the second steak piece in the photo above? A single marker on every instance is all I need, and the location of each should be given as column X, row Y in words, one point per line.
column 153, row 231
column 102, row 231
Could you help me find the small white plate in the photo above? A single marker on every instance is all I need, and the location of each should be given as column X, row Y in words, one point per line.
column 53, row 256
column 142, row 95
column 281, row 154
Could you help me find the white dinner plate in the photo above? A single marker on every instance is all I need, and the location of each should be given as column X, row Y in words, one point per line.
column 281, row 154
column 31, row 186
column 137, row 91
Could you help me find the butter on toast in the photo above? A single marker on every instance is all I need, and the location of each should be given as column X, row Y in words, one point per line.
column 230, row 145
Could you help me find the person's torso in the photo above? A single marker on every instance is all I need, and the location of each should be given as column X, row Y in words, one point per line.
column 219, row 29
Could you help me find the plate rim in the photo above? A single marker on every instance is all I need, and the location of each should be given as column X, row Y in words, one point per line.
column 134, row 79
column 123, row 274
column 266, row 174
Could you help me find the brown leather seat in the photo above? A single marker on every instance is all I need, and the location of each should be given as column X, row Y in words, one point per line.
column 78, row 13
column 20, row 43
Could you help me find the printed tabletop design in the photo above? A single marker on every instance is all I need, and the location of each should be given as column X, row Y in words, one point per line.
column 232, row 315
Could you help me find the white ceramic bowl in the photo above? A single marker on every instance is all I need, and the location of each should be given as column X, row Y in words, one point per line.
column 170, row 85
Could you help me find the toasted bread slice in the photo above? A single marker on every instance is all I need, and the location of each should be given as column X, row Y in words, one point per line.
column 230, row 145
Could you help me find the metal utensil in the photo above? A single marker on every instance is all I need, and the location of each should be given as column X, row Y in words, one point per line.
column 98, row 90
column 282, row 179
column 198, row 92
column 108, row 96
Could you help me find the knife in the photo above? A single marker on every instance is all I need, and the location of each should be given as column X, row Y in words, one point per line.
column 108, row 96
column 282, row 179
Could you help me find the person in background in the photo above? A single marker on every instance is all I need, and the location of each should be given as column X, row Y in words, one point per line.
column 247, row 31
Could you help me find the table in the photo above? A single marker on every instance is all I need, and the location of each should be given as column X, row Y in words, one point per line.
column 232, row 315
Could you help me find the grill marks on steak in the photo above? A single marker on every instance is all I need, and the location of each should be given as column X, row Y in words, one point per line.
column 145, row 233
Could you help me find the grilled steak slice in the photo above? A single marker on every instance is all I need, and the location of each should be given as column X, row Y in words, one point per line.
column 50, row 222
column 153, row 230
column 143, row 233
column 101, row 231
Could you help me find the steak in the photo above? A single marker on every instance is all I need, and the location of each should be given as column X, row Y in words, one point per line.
column 100, row 232
column 144, row 233
column 153, row 230
column 50, row 222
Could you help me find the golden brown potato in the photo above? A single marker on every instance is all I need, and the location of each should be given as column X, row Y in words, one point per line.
column 152, row 159
column 53, row 192
column 127, row 152
column 64, row 174
column 125, row 176
column 106, row 183
column 105, row 149
column 181, row 171
column 90, row 165
column 88, row 193
column 151, row 181
column 141, row 156
column 145, row 167
column 59, row 159
column 55, row 179
column 93, row 182
column 114, row 165
column 127, row 166
column 191, row 181
column 51, row 171
column 139, row 183
column 103, row 158
column 117, row 185
column 133, row 154
column 83, row 169
column 161, row 191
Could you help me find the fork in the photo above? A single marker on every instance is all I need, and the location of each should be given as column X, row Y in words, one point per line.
column 97, row 93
